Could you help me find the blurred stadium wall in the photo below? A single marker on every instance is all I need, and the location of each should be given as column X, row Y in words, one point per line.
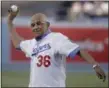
column 90, row 33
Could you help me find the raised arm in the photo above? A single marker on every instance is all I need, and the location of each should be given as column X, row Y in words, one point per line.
column 15, row 37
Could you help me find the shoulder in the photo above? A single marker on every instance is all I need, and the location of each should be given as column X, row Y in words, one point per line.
column 58, row 35
column 29, row 41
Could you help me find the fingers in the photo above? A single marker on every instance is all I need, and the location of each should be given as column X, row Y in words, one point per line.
column 9, row 10
column 12, row 15
column 104, row 78
column 100, row 73
column 101, row 76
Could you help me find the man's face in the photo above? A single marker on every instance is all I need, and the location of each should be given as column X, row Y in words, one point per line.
column 38, row 24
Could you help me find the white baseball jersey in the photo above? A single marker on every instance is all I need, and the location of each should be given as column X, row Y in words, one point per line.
column 48, row 58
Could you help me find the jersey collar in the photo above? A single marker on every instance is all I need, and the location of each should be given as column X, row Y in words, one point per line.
column 42, row 36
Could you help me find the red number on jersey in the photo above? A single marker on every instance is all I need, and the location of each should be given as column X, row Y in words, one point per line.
column 40, row 61
column 45, row 61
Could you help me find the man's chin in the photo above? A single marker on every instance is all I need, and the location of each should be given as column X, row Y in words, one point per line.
column 38, row 34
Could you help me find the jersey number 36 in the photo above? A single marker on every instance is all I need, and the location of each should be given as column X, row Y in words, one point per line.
column 43, row 61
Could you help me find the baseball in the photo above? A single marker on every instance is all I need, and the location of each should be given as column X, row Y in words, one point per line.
column 14, row 8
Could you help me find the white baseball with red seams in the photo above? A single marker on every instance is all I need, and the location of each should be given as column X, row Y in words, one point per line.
column 14, row 8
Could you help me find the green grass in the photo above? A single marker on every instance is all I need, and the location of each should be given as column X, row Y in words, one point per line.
column 21, row 79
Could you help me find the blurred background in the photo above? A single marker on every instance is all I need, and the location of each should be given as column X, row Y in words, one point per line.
column 84, row 22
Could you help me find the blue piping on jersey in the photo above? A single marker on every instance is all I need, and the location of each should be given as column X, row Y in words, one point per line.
column 74, row 52
column 42, row 36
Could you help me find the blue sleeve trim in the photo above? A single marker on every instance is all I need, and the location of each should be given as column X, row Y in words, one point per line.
column 18, row 48
column 74, row 52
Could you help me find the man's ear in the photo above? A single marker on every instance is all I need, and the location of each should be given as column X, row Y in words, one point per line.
column 48, row 24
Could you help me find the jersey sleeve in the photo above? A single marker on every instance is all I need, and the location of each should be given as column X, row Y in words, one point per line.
column 67, row 47
column 25, row 47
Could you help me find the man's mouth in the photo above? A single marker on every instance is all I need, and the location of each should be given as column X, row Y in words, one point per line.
column 37, row 30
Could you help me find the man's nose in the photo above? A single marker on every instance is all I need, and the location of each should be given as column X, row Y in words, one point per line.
column 39, row 26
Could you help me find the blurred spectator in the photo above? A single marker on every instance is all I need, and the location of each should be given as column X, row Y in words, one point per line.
column 96, row 9
column 104, row 8
column 62, row 10
column 73, row 10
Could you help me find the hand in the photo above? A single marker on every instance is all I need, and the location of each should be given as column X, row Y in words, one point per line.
column 12, row 14
column 100, row 73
